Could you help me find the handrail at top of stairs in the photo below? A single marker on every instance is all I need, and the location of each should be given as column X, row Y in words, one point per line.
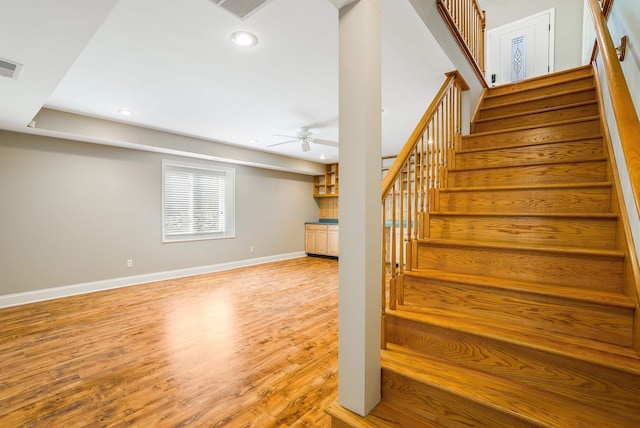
column 467, row 22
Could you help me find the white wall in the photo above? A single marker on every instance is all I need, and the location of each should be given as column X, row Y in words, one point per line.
column 588, row 34
column 73, row 213
column 568, row 25
column 624, row 19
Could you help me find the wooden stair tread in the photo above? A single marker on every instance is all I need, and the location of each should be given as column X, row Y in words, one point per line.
column 525, row 247
column 538, row 98
column 524, row 128
column 587, row 296
column 591, row 317
column 567, row 131
column 533, row 214
column 587, row 230
column 530, row 112
column 542, row 163
column 557, row 374
column 532, row 405
column 352, row 419
column 529, row 187
column 383, row 415
column 581, row 268
column 552, row 79
column 604, row 354
column 517, row 145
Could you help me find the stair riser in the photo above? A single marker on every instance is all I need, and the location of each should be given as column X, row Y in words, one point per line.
column 597, row 233
column 571, row 172
column 442, row 407
column 584, row 381
column 527, row 201
column 537, row 104
column 538, row 118
column 580, row 130
column 567, row 270
column 517, row 93
column 571, row 151
column 609, row 324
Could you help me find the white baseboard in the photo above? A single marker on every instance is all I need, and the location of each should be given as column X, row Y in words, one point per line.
column 90, row 287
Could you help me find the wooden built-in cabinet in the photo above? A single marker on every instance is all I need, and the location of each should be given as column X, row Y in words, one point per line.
column 325, row 190
column 321, row 239
column 326, row 185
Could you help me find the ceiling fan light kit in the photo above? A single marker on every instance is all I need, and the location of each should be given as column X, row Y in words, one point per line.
column 305, row 137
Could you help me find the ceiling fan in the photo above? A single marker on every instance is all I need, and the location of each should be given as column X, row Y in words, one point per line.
column 305, row 137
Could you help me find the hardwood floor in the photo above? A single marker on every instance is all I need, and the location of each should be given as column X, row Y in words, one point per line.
column 251, row 347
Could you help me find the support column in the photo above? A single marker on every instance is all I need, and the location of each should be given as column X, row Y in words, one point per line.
column 360, row 206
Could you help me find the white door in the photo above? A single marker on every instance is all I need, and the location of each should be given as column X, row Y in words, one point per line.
column 521, row 49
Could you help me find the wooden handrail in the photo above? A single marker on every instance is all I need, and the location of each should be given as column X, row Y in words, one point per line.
column 623, row 107
column 467, row 23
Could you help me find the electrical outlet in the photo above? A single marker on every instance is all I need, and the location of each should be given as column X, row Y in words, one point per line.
column 129, row 263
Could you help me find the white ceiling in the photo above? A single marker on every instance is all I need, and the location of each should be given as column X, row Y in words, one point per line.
column 172, row 63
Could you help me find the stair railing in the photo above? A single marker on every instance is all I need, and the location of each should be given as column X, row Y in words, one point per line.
column 467, row 23
column 623, row 107
column 606, row 10
column 410, row 186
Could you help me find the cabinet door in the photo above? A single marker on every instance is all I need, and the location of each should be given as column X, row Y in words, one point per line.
column 322, row 242
column 333, row 240
column 310, row 241
column 316, row 239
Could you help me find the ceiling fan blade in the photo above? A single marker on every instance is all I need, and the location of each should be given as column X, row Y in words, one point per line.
column 284, row 142
column 325, row 142
column 287, row 136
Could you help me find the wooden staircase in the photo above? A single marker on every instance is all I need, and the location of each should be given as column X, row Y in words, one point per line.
column 518, row 307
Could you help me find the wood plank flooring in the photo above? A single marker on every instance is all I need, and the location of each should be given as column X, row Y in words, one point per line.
column 251, row 347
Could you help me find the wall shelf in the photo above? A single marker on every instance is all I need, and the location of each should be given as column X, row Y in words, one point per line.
column 326, row 186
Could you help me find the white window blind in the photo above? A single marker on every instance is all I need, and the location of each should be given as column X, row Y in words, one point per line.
column 197, row 203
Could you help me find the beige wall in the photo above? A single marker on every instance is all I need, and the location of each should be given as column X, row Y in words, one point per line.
column 73, row 212
column 568, row 25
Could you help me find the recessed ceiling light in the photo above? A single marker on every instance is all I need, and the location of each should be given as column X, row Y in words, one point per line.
column 125, row 112
column 323, row 156
column 244, row 39
column 253, row 141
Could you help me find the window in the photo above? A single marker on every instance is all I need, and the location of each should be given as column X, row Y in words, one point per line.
column 197, row 202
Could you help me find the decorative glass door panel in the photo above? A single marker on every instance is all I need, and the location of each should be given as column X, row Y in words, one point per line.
column 518, row 59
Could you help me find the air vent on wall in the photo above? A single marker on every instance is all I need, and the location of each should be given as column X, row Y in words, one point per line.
column 241, row 8
column 9, row 68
